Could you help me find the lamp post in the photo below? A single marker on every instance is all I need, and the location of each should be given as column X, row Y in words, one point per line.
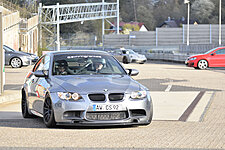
column 188, row 20
column 220, row 18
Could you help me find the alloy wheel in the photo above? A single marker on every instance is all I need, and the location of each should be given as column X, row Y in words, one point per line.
column 202, row 64
column 47, row 110
column 16, row 62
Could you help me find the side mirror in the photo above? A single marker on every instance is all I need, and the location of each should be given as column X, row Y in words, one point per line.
column 213, row 54
column 132, row 72
column 41, row 73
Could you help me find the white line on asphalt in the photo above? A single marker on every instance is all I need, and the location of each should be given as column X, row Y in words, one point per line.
column 168, row 88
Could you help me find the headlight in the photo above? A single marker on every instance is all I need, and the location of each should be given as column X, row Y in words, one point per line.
column 33, row 56
column 138, row 94
column 192, row 58
column 69, row 96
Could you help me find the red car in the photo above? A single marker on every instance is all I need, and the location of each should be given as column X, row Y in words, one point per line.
column 213, row 58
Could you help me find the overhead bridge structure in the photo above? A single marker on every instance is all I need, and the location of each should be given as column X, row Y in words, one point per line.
column 55, row 15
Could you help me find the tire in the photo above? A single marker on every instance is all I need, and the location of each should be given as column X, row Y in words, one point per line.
column 24, row 107
column 202, row 64
column 48, row 114
column 125, row 61
column 151, row 113
column 16, row 62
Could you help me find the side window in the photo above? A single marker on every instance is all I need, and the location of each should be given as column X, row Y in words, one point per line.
column 46, row 62
column 221, row 51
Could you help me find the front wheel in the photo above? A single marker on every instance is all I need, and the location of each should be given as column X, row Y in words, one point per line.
column 24, row 107
column 125, row 61
column 16, row 62
column 202, row 64
column 48, row 114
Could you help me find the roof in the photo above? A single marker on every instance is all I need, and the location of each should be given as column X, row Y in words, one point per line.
column 173, row 23
column 121, row 24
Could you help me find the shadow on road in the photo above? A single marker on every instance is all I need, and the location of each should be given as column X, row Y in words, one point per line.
column 15, row 120
column 158, row 85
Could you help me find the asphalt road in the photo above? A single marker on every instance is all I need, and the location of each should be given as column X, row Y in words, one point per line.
column 172, row 80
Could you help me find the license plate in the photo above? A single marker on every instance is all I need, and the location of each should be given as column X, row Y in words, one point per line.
column 106, row 107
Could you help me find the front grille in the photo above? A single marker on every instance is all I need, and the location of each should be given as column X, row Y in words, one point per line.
column 96, row 97
column 138, row 112
column 116, row 96
column 107, row 115
column 72, row 114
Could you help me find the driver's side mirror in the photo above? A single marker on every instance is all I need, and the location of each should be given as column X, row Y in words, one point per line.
column 41, row 73
column 213, row 54
column 132, row 72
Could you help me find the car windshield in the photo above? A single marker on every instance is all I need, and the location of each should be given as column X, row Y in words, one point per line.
column 85, row 64
column 131, row 52
column 8, row 48
column 210, row 51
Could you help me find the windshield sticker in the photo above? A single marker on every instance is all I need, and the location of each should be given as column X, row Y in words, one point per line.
column 84, row 56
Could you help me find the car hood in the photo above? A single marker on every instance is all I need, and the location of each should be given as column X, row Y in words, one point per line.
column 97, row 84
column 197, row 55
column 22, row 53
column 136, row 55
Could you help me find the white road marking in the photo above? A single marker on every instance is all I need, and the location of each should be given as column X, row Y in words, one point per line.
column 168, row 88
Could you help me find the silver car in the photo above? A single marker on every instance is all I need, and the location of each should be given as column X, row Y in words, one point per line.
column 134, row 56
column 87, row 88
column 127, row 56
column 18, row 59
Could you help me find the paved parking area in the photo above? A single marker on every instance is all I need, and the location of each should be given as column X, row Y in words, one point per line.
column 173, row 87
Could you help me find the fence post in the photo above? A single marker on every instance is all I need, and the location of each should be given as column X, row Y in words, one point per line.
column 156, row 36
column 1, row 56
column 183, row 33
column 210, row 34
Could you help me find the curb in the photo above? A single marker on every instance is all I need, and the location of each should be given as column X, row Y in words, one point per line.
column 9, row 96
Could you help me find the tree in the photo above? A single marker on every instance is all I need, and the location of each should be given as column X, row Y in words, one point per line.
column 163, row 9
column 145, row 16
column 202, row 11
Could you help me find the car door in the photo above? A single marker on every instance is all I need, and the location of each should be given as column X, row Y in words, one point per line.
column 218, row 58
column 39, row 85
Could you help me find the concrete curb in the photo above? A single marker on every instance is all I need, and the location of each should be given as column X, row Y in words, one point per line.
column 10, row 96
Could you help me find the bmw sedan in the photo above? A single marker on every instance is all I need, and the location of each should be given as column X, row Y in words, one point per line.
column 85, row 88
column 18, row 59
column 212, row 58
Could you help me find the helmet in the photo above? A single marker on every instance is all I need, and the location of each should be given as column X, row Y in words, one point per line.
column 61, row 63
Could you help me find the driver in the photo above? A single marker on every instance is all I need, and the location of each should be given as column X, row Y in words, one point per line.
column 63, row 68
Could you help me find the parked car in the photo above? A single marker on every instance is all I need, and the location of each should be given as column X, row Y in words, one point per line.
column 212, row 58
column 85, row 88
column 18, row 59
column 127, row 56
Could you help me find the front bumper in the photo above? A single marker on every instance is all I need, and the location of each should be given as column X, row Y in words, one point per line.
column 190, row 63
column 81, row 108
column 27, row 62
column 139, row 60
